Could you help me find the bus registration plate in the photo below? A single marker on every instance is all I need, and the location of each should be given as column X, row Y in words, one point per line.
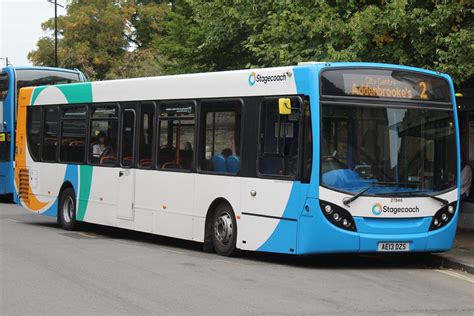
column 394, row 246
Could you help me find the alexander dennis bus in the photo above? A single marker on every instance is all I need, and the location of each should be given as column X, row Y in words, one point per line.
column 314, row 158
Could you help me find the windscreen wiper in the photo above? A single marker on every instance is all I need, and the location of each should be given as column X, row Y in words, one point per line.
column 421, row 193
column 349, row 200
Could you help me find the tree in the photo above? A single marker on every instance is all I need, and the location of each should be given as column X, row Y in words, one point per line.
column 97, row 36
column 139, row 63
column 110, row 39
column 210, row 35
column 219, row 35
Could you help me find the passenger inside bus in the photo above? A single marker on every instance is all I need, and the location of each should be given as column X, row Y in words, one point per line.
column 101, row 149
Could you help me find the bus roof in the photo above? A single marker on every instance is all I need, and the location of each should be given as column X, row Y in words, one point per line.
column 246, row 82
column 42, row 68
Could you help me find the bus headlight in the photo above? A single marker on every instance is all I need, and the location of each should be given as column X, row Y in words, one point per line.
column 443, row 216
column 450, row 209
column 338, row 216
column 328, row 209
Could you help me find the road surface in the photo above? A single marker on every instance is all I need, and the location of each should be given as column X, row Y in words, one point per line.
column 100, row 270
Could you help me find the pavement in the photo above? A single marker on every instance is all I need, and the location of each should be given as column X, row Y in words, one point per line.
column 462, row 255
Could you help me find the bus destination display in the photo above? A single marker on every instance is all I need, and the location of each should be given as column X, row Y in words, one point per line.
column 379, row 83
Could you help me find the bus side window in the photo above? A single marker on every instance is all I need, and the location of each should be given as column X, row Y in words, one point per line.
column 176, row 135
column 279, row 139
column 145, row 150
column 128, row 137
column 34, row 131
column 220, row 136
column 73, row 134
column 50, row 134
column 104, row 135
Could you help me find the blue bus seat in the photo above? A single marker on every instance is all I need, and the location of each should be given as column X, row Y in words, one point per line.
column 218, row 163
column 233, row 164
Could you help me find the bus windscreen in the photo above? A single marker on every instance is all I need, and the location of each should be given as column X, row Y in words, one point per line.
column 384, row 84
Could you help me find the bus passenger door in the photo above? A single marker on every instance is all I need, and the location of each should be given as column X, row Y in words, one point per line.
column 126, row 175
column 272, row 202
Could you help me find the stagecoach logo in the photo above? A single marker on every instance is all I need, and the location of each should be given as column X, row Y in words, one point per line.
column 377, row 209
column 252, row 78
column 256, row 78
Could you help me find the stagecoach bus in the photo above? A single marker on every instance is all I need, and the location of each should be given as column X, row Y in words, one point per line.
column 314, row 158
column 12, row 79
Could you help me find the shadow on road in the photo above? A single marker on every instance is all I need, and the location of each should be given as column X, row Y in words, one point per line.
column 321, row 261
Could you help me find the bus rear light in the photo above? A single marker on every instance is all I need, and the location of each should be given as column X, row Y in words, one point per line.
column 338, row 216
column 443, row 216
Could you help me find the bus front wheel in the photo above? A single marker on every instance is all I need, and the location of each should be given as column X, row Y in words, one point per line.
column 224, row 230
column 67, row 209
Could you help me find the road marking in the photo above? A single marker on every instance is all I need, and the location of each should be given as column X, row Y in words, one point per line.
column 90, row 235
column 173, row 251
column 457, row 275
column 13, row 220
column 228, row 261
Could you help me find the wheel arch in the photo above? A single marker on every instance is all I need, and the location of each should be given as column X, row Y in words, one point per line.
column 66, row 184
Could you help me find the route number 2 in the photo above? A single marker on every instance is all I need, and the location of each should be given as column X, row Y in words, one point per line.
column 423, row 94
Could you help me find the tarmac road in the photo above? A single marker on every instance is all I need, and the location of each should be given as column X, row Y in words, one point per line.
column 100, row 270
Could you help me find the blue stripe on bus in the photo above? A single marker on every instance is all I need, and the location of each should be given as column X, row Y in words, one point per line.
column 72, row 176
column 283, row 238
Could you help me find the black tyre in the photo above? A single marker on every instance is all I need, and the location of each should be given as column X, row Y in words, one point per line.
column 67, row 209
column 224, row 230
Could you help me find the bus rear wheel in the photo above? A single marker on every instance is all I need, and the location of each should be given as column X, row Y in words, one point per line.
column 224, row 230
column 67, row 209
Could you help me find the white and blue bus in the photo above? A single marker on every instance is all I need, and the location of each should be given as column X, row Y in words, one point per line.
column 12, row 79
column 314, row 158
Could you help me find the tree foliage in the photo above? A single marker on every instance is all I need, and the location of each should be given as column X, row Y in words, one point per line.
column 97, row 36
column 211, row 35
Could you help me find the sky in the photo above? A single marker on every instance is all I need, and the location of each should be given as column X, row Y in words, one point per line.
column 20, row 27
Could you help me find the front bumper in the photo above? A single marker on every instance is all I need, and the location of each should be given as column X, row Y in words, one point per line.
column 317, row 235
